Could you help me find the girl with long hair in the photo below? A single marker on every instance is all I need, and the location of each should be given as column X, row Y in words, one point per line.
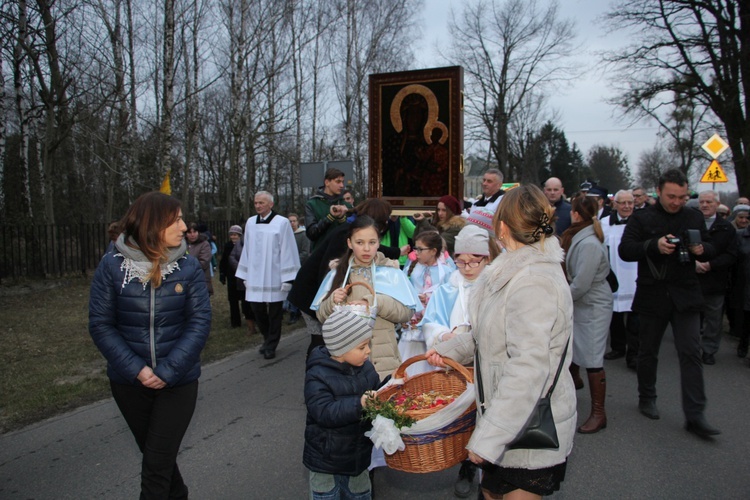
column 395, row 297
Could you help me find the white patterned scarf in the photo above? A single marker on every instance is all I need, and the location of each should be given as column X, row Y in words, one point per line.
column 137, row 266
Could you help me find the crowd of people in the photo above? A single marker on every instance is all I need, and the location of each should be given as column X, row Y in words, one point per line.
column 519, row 284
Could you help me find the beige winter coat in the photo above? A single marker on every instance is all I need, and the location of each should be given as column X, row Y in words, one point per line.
column 384, row 355
column 522, row 315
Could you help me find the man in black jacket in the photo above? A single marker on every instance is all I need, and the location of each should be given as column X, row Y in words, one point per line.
column 668, row 292
column 713, row 275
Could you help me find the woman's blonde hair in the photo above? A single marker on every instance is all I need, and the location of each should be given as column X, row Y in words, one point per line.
column 527, row 213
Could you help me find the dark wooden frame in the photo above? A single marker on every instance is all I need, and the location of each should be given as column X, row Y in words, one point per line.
column 446, row 85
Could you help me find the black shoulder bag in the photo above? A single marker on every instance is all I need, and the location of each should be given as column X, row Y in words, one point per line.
column 540, row 432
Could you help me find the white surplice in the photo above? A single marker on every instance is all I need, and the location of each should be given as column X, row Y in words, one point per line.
column 626, row 272
column 269, row 258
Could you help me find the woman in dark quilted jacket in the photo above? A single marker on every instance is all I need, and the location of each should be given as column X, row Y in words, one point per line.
column 150, row 316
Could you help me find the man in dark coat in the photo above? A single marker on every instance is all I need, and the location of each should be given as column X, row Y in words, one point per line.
column 668, row 292
column 713, row 275
column 555, row 193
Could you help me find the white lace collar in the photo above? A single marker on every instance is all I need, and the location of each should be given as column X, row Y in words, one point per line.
column 140, row 270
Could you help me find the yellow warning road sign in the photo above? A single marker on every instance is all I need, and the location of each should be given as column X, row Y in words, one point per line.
column 715, row 146
column 714, row 173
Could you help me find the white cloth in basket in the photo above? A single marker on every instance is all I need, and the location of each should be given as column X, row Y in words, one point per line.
column 385, row 435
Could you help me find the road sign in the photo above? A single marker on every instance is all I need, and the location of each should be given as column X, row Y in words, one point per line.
column 715, row 146
column 714, row 173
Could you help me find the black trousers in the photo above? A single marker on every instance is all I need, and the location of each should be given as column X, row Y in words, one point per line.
column 686, row 329
column 268, row 316
column 158, row 420
column 623, row 334
column 237, row 300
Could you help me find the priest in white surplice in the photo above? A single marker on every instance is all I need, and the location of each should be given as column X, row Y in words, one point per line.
column 268, row 265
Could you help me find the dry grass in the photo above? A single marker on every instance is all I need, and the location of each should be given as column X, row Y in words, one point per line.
column 50, row 364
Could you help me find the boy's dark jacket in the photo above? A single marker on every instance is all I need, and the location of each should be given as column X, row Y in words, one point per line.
column 335, row 441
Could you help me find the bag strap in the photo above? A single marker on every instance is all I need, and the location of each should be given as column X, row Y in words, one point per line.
column 559, row 369
column 478, row 374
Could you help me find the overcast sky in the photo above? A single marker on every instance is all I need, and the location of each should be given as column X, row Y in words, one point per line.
column 584, row 115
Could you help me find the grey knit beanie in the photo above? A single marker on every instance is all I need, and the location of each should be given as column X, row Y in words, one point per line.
column 345, row 330
column 473, row 240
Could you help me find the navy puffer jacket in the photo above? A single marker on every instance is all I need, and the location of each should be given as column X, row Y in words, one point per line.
column 120, row 321
column 335, row 441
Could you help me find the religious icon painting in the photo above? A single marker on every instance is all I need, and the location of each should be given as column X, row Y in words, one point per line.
column 416, row 137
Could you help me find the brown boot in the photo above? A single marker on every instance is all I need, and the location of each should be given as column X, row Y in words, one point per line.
column 575, row 373
column 598, row 418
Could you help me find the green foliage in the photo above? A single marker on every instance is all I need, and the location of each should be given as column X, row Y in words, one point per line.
column 388, row 409
column 609, row 167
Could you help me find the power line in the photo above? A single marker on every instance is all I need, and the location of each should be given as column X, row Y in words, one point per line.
column 610, row 130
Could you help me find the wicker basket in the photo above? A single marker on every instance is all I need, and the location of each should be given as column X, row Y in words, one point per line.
column 441, row 449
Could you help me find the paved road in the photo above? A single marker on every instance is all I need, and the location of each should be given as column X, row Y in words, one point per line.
column 245, row 441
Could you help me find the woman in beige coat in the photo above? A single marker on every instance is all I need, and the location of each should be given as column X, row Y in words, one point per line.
column 522, row 315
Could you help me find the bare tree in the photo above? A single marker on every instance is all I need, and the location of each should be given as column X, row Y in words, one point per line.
column 682, row 119
column 376, row 40
column 3, row 135
column 19, row 57
column 168, row 62
column 510, row 51
column 651, row 164
column 700, row 45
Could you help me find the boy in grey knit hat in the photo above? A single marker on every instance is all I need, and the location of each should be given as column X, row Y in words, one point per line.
column 338, row 380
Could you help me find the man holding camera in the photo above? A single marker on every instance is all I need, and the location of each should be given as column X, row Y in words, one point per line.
column 665, row 240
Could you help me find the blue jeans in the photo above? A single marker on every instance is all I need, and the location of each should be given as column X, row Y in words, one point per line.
column 339, row 487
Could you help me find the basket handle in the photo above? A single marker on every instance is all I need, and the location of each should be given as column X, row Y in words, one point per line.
column 365, row 284
column 401, row 371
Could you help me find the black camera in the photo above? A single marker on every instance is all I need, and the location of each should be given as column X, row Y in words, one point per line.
column 690, row 237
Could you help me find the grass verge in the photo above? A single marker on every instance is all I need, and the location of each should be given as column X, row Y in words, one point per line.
column 50, row 362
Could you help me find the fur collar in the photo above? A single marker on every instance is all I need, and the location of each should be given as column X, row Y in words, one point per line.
column 507, row 264
column 455, row 221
